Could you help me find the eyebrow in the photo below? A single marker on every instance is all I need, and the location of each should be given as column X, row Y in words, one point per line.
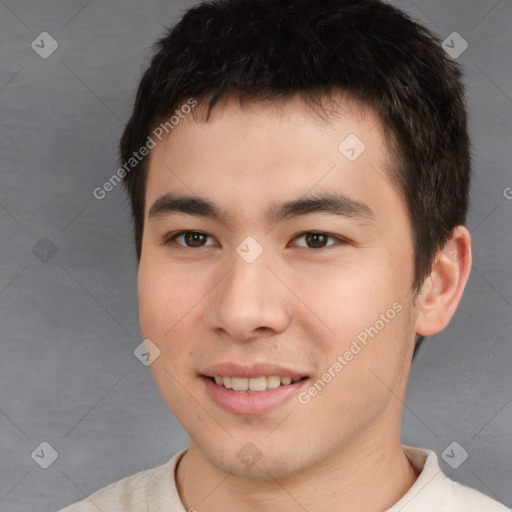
column 330, row 203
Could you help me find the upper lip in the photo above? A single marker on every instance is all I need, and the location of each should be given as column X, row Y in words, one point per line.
column 230, row 369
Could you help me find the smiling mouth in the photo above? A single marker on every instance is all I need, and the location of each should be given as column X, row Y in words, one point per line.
column 254, row 384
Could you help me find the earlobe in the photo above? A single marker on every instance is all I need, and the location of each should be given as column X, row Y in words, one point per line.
column 442, row 290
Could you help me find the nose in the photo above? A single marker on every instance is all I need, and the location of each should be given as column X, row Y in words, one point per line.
column 249, row 302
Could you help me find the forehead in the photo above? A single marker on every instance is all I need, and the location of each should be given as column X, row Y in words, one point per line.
column 275, row 151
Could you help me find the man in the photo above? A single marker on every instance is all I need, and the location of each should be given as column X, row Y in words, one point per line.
column 299, row 174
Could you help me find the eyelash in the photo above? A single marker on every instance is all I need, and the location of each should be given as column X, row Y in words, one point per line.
column 172, row 237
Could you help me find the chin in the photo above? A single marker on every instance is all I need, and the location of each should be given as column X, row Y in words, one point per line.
column 264, row 469
column 254, row 464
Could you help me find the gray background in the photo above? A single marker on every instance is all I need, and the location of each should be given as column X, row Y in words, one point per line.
column 69, row 320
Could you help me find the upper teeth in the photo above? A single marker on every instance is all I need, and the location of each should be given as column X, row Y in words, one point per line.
column 254, row 383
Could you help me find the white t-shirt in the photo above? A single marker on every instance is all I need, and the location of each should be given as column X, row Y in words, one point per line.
column 154, row 490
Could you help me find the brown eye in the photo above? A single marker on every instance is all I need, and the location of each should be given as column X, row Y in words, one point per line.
column 316, row 240
column 192, row 239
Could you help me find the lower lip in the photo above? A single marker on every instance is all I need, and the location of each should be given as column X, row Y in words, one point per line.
column 240, row 402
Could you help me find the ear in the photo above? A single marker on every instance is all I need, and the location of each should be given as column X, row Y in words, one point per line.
column 442, row 290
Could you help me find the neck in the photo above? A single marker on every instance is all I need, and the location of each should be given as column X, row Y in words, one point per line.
column 369, row 473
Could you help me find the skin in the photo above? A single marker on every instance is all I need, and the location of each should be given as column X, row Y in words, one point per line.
column 296, row 306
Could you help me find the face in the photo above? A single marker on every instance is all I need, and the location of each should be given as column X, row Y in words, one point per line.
column 277, row 256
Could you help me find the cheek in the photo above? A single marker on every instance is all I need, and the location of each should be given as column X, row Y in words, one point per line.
column 346, row 299
column 166, row 310
column 167, row 298
column 365, row 311
column 365, row 377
